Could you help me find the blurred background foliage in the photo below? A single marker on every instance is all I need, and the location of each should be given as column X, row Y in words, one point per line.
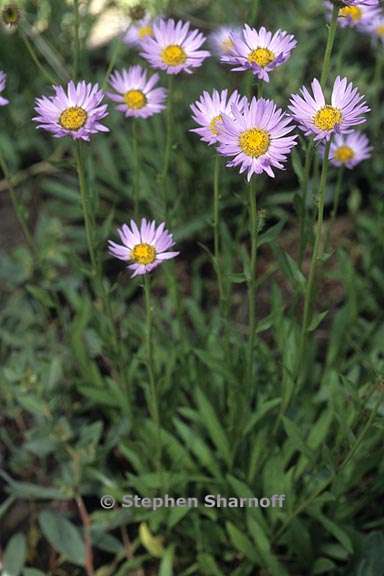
column 73, row 422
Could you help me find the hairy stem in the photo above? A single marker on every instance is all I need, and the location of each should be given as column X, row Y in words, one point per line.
column 76, row 59
column 167, row 149
column 303, row 212
column 329, row 46
column 316, row 256
column 136, row 169
column 253, row 229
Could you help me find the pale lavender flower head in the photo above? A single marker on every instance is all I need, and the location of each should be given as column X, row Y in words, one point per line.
column 76, row 112
column 357, row 14
column 135, row 93
column 259, row 51
column 221, row 39
column 138, row 30
column 375, row 28
column 145, row 248
column 349, row 149
column 3, row 81
column 208, row 110
column 256, row 137
column 316, row 117
column 174, row 47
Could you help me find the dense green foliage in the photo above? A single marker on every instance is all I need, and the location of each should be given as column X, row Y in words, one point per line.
column 74, row 423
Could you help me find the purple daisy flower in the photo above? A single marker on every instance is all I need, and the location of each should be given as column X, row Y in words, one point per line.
column 364, row 2
column 3, row 81
column 256, row 137
column 357, row 14
column 145, row 248
column 75, row 113
column 322, row 120
column 173, row 47
column 139, row 30
column 349, row 150
column 259, row 51
column 208, row 110
column 135, row 93
column 221, row 39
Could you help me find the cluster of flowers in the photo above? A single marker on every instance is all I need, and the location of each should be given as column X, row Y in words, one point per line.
column 365, row 15
column 255, row 134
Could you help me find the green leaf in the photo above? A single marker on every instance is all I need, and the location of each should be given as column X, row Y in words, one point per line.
column 216, row 431
column 263, row 547
column 322, row 566
column 63, row 536
column 32, row 572
column 241, row 542
column 261, row 411
column 238, row 278
column 25, row 490
column 198, row 447
column 41, row 295
column 15, row 555
column 166, row 565
column 295, row 435
column 271, row 234
column 317, row 320
column 5, row 505
column 339, row 533
column 290, row 269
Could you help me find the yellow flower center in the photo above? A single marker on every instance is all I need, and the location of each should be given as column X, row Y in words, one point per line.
column 344, row 154
column 143, row 254
column 135, row 99
column 145, row 31
column 227, row 44
column 73, row 118
column 353, row 12
column 213, row 124
column 261, row 56
column 380, row 30
column 254, row 142
column 327, row 118
column 173, row 55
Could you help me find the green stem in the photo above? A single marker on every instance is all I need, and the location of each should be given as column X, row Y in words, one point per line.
column 115, row 52
column 96, row 266
column 76, row 60
column 216, row 230
column 248, row 84
column 168, row 147
column 253, row 229
column 316, row 256
column 260, row 89
column 135, row 169
column 303, row 213
column 17, row 206
column 153, row 405
column 87, row 213
column 36, row 60
column 336, row 201
column 329, row 46
column 310, row 149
